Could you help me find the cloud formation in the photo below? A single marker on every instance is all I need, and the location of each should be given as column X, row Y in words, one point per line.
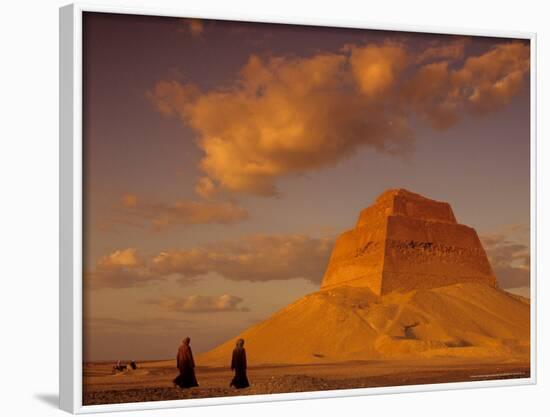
column 440, row 93
column 377, row 67
column 200, row 304
column 286, row 115
column 161, row 216
column 510, row 260
column 254, row 258
column 121, row 269
column 451, row 51
column 195, row 27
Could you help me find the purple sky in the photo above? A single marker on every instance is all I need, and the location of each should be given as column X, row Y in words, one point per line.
column 170, row 102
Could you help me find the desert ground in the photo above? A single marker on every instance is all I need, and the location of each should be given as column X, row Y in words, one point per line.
column 152, row 381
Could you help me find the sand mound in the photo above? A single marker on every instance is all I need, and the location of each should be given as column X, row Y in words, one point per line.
column 351, row 323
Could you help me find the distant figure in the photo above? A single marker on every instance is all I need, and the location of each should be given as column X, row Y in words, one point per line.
column 238, row 364
column 133, row 365
column 186, row 366
column 119, row 367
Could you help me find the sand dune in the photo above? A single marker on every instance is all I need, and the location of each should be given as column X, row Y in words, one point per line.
column 350, row 323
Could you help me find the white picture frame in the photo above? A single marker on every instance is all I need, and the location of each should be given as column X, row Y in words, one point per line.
column 70, row 154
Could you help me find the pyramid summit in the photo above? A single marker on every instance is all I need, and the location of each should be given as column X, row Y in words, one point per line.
column 405, row 241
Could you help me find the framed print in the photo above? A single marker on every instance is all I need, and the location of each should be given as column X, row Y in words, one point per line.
column 260, row 210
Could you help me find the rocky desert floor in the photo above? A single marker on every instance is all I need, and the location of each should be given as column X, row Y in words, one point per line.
column 152, row 381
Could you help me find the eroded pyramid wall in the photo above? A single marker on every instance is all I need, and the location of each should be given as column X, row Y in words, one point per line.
column 405, row 241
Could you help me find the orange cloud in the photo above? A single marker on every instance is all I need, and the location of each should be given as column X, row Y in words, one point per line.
column 194, row 26
column 510, row 260
column 283, row 116
column 205, row 187
column 254, row 258
column 451, row 51
column 289, row 115
column 120, row 269
column 429, row 93
column 200, row 304
column 171, row 98
column 376, row 68
column 161, row 216
column 441, row 94
column 494, row 77
column 121, row 258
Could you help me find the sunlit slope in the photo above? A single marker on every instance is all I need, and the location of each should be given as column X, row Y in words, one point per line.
column 345, row 323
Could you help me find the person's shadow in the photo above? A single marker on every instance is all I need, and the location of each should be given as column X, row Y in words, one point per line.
column 50, row 399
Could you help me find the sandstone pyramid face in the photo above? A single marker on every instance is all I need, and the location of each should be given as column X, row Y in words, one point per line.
column 405, row 241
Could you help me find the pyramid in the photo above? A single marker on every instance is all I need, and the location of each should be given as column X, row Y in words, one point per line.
column 405, row 241
column 407, row 282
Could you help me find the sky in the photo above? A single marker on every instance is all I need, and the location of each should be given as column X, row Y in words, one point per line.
column 221, row 160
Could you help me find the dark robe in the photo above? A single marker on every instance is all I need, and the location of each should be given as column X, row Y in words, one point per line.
column 186, row 366
column 238, row 364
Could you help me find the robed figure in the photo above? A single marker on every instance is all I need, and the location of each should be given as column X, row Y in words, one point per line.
column 186, row 366
column 238, row 364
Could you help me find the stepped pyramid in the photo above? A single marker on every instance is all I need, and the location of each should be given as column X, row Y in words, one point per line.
column 405, row 241
column 407, row 282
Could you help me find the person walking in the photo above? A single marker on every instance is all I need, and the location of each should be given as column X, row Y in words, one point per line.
column 238, row 364
column 186, row 366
